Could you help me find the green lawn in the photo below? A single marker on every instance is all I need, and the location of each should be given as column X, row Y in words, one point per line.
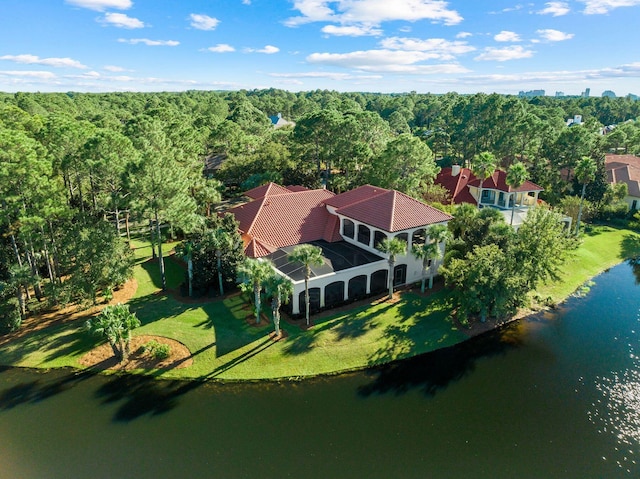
column 225, row 346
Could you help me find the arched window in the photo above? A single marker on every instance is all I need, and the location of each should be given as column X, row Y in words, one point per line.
column 314, row 301
column 357, row 287
column 403, row 236
column 418, row 238
column 378, row 236
column 348, row 228
column 379, row 281
column 364, row 234
column 333, row 293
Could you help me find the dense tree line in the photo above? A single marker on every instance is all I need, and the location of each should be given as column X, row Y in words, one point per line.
column 78, row 170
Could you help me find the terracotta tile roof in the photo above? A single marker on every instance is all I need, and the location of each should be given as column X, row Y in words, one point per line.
column 297, row 188
column 353, row 196
column 281, row 220
column 458, row 185
column 266, row 190
column 275, row 220
column 389, row 210
column 624, row 169
column 498, row 181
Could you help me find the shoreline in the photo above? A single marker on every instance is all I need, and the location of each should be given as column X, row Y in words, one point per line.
column 239, row 363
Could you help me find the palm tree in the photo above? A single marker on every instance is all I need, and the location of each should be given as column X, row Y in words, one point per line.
column 393, row 247
column 430, row 250
column 221, row 241
column 115, row 323
column 309, row 255
column 280, row 289
column 484, row 164
column 516, row 176
column 585, row 173
column 185, row 249
column 254, row 273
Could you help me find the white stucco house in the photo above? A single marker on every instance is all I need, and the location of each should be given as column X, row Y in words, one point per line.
column 347, row 228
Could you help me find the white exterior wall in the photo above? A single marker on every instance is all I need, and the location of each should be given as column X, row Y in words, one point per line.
column 630, row 199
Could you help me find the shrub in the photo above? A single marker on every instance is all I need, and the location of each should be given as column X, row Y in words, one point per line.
column 157, row 350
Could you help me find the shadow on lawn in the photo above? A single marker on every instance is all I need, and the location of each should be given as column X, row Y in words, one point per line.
column 432, row 372
column 630, row 246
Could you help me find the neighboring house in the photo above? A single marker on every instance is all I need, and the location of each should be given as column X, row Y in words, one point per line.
column 347, row 227
column 278, row 122
column 463, row 187
column 625, row 169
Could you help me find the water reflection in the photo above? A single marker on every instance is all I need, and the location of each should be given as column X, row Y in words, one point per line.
column 432, row 372
column 618, row 411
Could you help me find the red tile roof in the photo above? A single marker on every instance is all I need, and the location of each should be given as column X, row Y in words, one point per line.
column 388, row 210
column 279, row 220
column 266, row 190
column 624, row 169
column 498, row 181
column 458, row 185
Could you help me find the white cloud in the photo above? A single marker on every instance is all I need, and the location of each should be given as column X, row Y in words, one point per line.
column 385, row 61
column 557, row 9
column 246, row 2
column 438, row 47
column 329, row 75
column 42, row 75
column 203, row 22
column 114, row 68
column 150, row 43
column 514, row 52
column 268, row 49
column 101, row 5
column 351, row 30
column 121, row 20
column 507, row 36
column 464, row 35
column 52, row 62
column 221, row 48
column 596, row 7
column 372, row 12
column 551, row 35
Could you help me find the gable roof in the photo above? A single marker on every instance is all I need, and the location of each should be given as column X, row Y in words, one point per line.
column 265, row 190
column 277, row 220
column 458, row 185
column 624, row 169
column 388, row 210
column 498, row 181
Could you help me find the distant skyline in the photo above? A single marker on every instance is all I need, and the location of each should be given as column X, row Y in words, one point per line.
column 427, row 46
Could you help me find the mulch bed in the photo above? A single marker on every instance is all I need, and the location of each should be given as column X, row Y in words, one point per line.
column 102, row 358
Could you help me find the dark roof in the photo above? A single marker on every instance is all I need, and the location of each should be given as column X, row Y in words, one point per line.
column 337, row 256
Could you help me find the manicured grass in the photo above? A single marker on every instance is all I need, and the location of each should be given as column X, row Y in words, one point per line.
column 225, row 346
column 602, row 248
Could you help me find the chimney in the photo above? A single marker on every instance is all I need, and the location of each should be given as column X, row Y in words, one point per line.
column 455, row 170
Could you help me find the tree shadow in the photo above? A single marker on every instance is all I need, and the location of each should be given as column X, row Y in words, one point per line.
column 432, row 372
column 143, row 395
column 630, row 246
column 38, row 390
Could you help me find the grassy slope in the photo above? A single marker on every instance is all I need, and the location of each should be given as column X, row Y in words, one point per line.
column 226, row 347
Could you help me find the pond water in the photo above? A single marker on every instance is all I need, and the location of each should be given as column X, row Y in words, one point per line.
column 556, row 395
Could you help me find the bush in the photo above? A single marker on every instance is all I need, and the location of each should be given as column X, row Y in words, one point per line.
column 157, row 350
column 10, row 318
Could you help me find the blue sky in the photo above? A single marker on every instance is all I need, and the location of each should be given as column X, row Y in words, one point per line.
column 347, row 45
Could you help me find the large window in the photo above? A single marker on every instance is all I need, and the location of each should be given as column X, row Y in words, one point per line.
column 357, row 287
column 364, row 234
column 348, row 228
column 333, row 294
column 418, row 238
column 403, row 237
column 314, row 301
column 378, row 236
column 379, row 281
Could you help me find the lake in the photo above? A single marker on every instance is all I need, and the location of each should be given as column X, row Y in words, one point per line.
column 556, row 395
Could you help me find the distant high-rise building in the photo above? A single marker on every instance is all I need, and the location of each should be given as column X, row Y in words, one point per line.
column 559, row 93
column 586, row 92
column 531, row 93
column 608, row 93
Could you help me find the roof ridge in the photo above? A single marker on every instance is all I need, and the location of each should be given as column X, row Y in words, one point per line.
column 384, row 190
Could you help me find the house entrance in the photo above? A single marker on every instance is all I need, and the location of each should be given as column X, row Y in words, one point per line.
column 400, row 274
